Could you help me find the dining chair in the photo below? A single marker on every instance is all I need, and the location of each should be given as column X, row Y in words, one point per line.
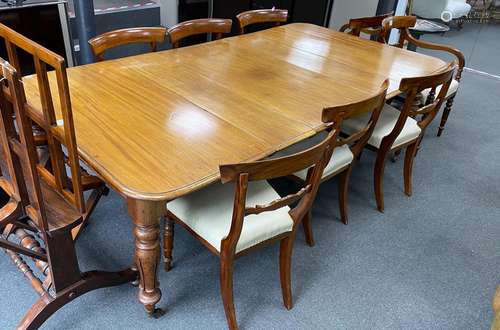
column 44, row 206
column 140, row 35
column 371, row 26
column 346, row 150
column 216, row 26
column 232, row 220
column 403, row 25
column 405, row 128
column 259, row 16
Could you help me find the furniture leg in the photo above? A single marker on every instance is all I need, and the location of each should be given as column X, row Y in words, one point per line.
column 146, row 217
column 379, row 178
column 47, row 305
column 411, row 151
column 226, row 288
column 306, row 223
column 446, row 113
column 91, row 203
column 168, row 243
column 286, row 251
column 343, row 192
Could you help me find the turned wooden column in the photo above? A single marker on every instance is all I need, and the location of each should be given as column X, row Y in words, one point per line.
column 146, row 217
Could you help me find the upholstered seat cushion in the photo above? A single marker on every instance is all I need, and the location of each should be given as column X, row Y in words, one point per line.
column 208, row 213
column 385, row 125
column 453, row 89
column 342, row 156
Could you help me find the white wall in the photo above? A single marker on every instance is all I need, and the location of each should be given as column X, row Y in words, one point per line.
column 343, row 10
column 168, row 12
column 400, row 11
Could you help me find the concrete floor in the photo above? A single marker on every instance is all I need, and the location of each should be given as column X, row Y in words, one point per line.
column 479, row 43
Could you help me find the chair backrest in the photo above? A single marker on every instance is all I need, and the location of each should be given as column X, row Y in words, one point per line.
column 404, row 23
column 116, row 38
column 373, row 105
column 412, row 87
column 59, row 133
column 314, row 159
column 20, row 160
column 368, row 25
column 250, row 17
column 216, row 26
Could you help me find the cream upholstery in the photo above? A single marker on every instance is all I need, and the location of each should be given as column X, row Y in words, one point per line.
column 453, row 89
column 342, row 156
column 385, row 125
column 208, row 213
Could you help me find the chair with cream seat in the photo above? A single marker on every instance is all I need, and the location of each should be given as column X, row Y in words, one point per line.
column 372, row 26
column 112, row 39
column 405, row 128
column 216, row 26
column 403, row 24
column 261, row 16
column 234, row 219
column 347, row 150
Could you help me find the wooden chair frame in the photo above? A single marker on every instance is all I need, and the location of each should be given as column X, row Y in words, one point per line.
column 215, row 26
column 54, row 162
column 24, row 178
column 368, row 25
column 112, row 39
column 411, row 87
column 403, row 24
column 251, row 17
column 241, row 174
column 26, row 212
column 356, row 142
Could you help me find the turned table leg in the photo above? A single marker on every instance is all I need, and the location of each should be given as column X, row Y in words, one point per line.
column 146, row 216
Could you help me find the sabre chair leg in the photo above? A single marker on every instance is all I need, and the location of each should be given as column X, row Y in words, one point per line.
column 411, row 151
column 168, row 243
column 379, row 178
column 226, row 287
column 446, row 113
column 343, row 192
column 307, row 225
column 286, row 251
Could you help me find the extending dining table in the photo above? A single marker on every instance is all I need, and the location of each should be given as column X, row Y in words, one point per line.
column 157, row 126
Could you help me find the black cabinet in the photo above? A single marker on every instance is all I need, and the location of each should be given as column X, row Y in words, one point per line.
column 42, row 21
column 316, row 12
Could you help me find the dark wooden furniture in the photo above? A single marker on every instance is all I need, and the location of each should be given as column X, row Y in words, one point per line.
column 260, row 16
column 51, row 157
column 215, row 26
column 230, row 235
column 112, row 39
column 316, row 12
column 211, row 113
column 371, row 26
column 404, row 24
column 45, row 204
column 496, row 311
column 405, row 128
column 345, row 153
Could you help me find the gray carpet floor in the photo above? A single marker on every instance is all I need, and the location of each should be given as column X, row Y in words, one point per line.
column 431, row 261
column 478, row 42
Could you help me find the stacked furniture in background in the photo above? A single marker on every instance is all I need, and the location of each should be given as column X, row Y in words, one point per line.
column 46, row 204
